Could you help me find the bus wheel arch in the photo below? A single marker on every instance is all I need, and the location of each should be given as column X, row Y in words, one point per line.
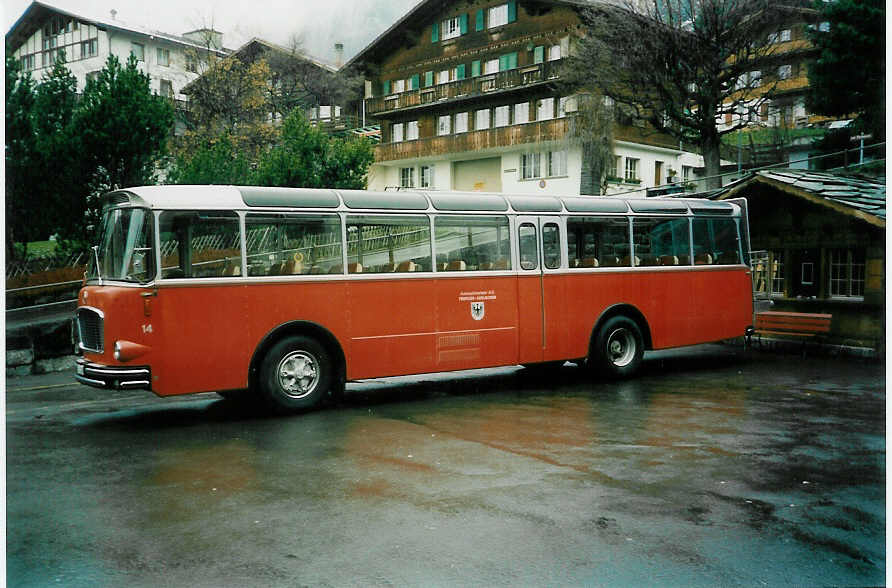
column 312, row 331
column 618, row 340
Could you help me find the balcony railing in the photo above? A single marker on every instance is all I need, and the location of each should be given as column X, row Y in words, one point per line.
column 534, row 132
column 481, row 85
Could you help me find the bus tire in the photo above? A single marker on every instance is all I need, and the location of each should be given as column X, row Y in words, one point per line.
column 618, row 347
column 296, row 374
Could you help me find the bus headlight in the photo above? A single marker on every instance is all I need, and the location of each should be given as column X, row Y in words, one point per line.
column 125, row 350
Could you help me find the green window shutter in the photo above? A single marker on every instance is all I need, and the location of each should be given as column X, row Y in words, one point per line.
column 460, row 71
column 512, row 10
column 435, row 32
column 414, row 82
column 480, row 20
column 475, row 68
column 385, row 87
column 463, row 23
column 539, row 54
column 508, row 61
column 428, row 79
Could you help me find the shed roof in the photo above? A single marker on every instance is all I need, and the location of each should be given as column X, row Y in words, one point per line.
column 858, row 196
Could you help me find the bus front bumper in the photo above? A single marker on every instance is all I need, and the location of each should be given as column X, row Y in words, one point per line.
column 138, row 377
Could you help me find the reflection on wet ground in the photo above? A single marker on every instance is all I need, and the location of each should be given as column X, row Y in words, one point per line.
column 715, row 467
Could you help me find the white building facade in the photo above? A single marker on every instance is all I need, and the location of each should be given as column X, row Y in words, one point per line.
column 543, row 168
column 43, row 32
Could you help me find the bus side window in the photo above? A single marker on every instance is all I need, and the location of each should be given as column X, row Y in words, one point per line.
column 597, row 242
column 661, row 241
column 715, row 241
column 199, row 244
column 378, row 244
column 288, row 244
column 472, row 243
column 526, row 239
column 551, row 245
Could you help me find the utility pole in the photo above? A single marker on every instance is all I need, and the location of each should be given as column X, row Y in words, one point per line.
column 861, row 148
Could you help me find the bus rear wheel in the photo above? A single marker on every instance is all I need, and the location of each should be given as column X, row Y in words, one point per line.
column 619, row 347
column 296, row 374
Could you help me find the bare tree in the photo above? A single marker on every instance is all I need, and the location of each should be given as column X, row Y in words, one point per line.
column 681, row 65
column 303, row 82
column 591, row 127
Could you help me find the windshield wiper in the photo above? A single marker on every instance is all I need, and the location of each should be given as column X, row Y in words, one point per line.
column 95, row 249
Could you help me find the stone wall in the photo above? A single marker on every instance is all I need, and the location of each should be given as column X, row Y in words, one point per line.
column 40, row 348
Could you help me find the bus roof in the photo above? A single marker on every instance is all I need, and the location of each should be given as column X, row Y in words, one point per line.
column 243, row 197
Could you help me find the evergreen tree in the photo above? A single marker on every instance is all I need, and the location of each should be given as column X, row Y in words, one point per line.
column 124, row 128
column 306, row 157
column 214, row 162
column 21, row 173
column 59, row 197
column 848, row 77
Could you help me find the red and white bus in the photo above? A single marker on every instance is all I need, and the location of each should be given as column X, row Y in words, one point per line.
column 290, row 293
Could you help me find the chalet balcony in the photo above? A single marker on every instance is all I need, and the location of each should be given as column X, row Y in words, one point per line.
column 534, row 132
column 482, row 85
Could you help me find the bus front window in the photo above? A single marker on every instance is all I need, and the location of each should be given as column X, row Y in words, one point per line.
column 126, row 247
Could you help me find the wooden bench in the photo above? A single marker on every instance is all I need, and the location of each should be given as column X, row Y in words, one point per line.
column 802, row 325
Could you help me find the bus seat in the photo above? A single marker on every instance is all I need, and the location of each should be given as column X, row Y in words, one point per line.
column 668, row 260
column 590, row 262
column 703, row 259
column 500, row 264
column 626, row 261
column 456, row 266
column 316, row 269
column 684, row 260
column 486, row 265
column 388, row 268
column 608, row 261
column 294, row 267
column 441, row 266
column 354, row 268
column 406, row 266
column 336, row 269
column 276, row 269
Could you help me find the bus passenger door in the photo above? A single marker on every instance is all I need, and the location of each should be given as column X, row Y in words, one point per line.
column 539, row 289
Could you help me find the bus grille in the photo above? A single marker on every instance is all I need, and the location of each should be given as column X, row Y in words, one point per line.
column 89, row 329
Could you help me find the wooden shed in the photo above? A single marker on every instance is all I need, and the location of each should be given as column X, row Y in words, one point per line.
column 818, row 242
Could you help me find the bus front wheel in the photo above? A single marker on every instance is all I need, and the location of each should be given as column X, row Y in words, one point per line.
column 619, row 347
column 296, row 374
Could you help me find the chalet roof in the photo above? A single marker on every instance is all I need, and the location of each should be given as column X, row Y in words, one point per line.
column 421, row 13
column 853, row 195
column 37, row 13
column 257, row 45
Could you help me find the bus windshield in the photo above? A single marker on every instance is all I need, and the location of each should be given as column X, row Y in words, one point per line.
column 125, row 249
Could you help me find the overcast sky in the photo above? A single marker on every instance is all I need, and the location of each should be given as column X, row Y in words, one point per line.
column 318, row 23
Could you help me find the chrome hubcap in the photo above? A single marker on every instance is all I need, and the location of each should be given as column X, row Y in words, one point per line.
column 621, row 347
column 298, row 374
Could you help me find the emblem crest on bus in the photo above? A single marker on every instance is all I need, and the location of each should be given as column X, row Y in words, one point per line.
column 477, row 310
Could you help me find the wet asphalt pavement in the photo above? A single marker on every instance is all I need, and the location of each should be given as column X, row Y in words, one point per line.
column 715, row 467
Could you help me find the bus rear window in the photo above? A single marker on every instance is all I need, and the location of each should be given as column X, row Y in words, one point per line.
column 201, row 244
column 288, row 244
column 472, row 243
